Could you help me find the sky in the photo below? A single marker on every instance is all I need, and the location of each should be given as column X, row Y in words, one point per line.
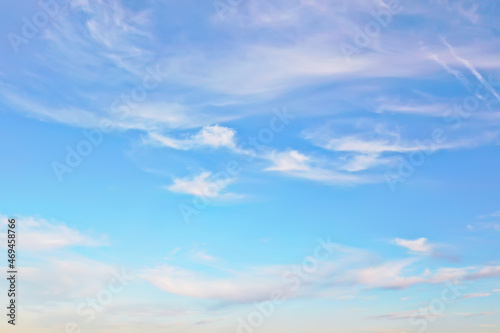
column 251, row 165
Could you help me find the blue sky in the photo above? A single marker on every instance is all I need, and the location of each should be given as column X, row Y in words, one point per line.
column 174, row 166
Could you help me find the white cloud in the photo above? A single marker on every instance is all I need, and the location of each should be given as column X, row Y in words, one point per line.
column 69, row 115
column 107, row 26
column 360, row 162
column 476, row 295
column 39, row 235
column 203, row 185
column 485, row 273
column 420, row 245
column 388, row 275
column 288, row 161
column 430, row 109
column 267, row 69
column 491, row 224
column 295, row 164
column 247, row 287
column 359, row 144
column 347, row 271
column 68, row 277
column 214, row 136
column 473, row 70
column 449, row 274
column 365, row 145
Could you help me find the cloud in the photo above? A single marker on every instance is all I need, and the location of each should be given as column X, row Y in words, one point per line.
column 203, row 185
column 483, row 226
column 69, row 115
column 101, row 32
column 295, row 164
column 251, row 286
column 209, row 136
column 490, row 215
column 474, row 71
column 267, row 52
column 482, row 314
column 408, row 107
column 203, row 256
column 365, row 145
column 484, row 273
column 97, row 38
column 476, row 295
column 209, row 321
column 387, row 276
column 361, row 143
column 348, row 270
column 268, row 70
column 313, row 56
column 41, row 235
column 420, row 245
column 68, row 277
column 364, row 161
column 449, row 274
column 111, row 39
column 423, row 313
column 289, row 162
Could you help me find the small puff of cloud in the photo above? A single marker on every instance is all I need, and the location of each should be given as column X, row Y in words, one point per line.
column 420, row 245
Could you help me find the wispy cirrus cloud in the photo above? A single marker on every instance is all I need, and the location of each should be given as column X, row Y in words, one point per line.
column 484, row 226
column 491, row 222
column 355, row 270
column 476, row 295
column 493, row 215
column 108, row 32
column 294, row 164
column 365, row 145
column 245, row 288
column 213, row 136
column 381, row 140
column 68, row 277
column 116, row 38
column 484, row 273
